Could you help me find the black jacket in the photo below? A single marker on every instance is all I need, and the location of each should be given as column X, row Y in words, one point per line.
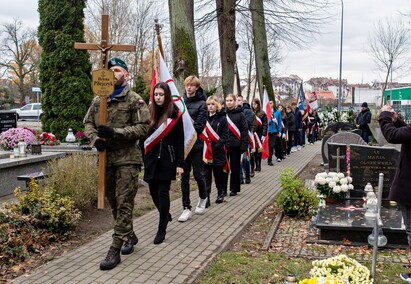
column 238, row 118
column 261, row 130
column 249, row 115
column 197, row 109
column 160, row 163
column 363, row 118
column 291, row 121
column 219, row 123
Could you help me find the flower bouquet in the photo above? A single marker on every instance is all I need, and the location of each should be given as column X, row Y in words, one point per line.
column 48, row 139
column 341, row 269
column 10, row 138
column 322, row 280
column 81, row 138
column 333, row 185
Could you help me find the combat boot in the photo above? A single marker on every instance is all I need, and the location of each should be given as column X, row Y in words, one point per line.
column 128, row 246
column 111, row 260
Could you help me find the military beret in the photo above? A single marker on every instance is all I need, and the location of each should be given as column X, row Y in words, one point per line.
column 117, row 62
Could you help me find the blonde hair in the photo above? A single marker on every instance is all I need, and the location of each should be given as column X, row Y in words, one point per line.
column 192, row 80
column 216, row 101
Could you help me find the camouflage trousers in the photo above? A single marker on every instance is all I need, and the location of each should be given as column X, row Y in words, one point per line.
column 121, row 189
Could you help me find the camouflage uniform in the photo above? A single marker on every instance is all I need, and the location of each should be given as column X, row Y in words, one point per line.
column 128, row 116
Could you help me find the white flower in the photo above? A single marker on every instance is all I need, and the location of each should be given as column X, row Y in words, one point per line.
column 340, row 175
column 332, row 184
column 344, row 187
column 332, row 174
column 322, row 181
column 344, row 181
column 350, row 187
column 349, row 179
column 328, row 179
column 336, row 179
column 337, row 189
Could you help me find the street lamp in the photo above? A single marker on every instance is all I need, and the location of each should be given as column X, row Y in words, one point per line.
column 341, row 42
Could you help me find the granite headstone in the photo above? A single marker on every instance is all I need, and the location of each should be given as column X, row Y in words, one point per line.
column 8, row 119
column 337, row 161
column 367, row 162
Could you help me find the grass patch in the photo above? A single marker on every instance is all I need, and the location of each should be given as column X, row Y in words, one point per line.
column 243, row 267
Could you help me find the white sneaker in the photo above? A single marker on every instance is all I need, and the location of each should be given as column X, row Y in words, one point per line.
column 185, row 216
column 293, row 149
column 201, row 206
column 406, row 277
column 299, row 148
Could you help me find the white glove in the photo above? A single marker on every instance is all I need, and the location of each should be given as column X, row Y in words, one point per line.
column 283, row 135
column 279, row 135
column 262, row 138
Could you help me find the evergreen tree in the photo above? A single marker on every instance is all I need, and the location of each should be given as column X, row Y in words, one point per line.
column 141, row 88
column 64, row 72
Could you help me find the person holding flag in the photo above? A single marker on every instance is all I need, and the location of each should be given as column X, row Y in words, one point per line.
column 237, row 141
column 163, row 153
column 298, row 127
column 260, row 132
column 194, row 99
column 217, row 130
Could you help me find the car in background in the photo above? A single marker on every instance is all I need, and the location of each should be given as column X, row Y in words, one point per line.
column 29, row 111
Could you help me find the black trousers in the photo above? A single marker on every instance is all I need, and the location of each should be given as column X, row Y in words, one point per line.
column 275, row 145
column 290, row 141
column 194, row 160
column 234, row 156
column 160, row 193
column 220, row 178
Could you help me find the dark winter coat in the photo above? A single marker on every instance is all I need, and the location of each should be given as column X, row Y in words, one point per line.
column 219, row 123
column 261, row 130
column 249, row 115
column 237, row 117
column 298, row 119
column 197, row 109
column 291, row 121
column 399, row 133
column 285, row 123
column 363, row 118
column 160, row 163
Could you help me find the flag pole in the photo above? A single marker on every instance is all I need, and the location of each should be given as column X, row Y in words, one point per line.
column 158, row 27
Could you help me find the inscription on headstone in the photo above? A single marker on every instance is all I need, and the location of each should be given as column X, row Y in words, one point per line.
column 8, row 119
column 337, row 157
column 366, row 162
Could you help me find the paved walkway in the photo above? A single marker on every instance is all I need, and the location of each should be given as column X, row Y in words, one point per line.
column 188, row 248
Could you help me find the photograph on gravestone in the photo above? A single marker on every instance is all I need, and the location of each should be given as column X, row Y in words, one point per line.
column 337, row 161
column 367, row 162
column 346, row 137
column 8, row 119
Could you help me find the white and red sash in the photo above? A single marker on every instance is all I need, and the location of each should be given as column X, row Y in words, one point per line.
column 213, row 136
column 160, row 133
column 207, row 150
column 258, row 144
column 259, row 121
column 233, row 128
column 252, row 142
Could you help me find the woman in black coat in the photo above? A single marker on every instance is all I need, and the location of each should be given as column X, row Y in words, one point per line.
column 261, row 130
column 237, row 141
column 164, row 153
column 218, row 122
column 291, row 128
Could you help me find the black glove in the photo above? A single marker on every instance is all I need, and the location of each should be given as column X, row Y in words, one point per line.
column 105, row 131
column 102, row 145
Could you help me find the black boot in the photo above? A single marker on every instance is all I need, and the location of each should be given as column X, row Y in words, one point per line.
column 170, row 218
column 111, row 260
column 128, row 246
column 208, row 204
column 220, row 199
column 161, row 235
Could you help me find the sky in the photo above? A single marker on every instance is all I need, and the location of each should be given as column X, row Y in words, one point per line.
column 320, row 59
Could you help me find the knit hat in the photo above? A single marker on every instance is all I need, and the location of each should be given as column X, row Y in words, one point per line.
column 364, row 104
column 117, row 62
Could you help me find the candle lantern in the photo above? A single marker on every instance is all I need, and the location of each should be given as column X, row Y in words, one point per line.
column 371, row 205
column 290, row 279
column 22, row 148
column 36, row 148
column 70, row 138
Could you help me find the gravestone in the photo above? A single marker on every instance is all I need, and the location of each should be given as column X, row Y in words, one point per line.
column 366, row 162
column 8, row 119
column 346, row 138
column 332, row 129
column 337, row 161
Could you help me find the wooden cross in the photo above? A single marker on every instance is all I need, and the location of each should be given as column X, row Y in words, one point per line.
column 338, row 158
column 105, row 47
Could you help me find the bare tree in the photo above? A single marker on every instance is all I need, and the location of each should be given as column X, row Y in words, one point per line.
column 18, row 54
column 207, row 61
column 388, row 44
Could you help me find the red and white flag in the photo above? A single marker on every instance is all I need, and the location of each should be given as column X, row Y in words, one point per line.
column 269, row 113
column 163, row 75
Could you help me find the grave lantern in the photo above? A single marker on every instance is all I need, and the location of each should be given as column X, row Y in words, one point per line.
column 371, row 205
column 70, row 138
column 36, row 148
column 22, row 148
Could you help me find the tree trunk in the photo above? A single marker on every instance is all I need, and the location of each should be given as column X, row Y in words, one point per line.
column 226, row 32
column 260, row 48
column 183, row 40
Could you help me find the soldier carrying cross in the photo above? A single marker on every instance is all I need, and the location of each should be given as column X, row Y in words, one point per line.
column 125, row 121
